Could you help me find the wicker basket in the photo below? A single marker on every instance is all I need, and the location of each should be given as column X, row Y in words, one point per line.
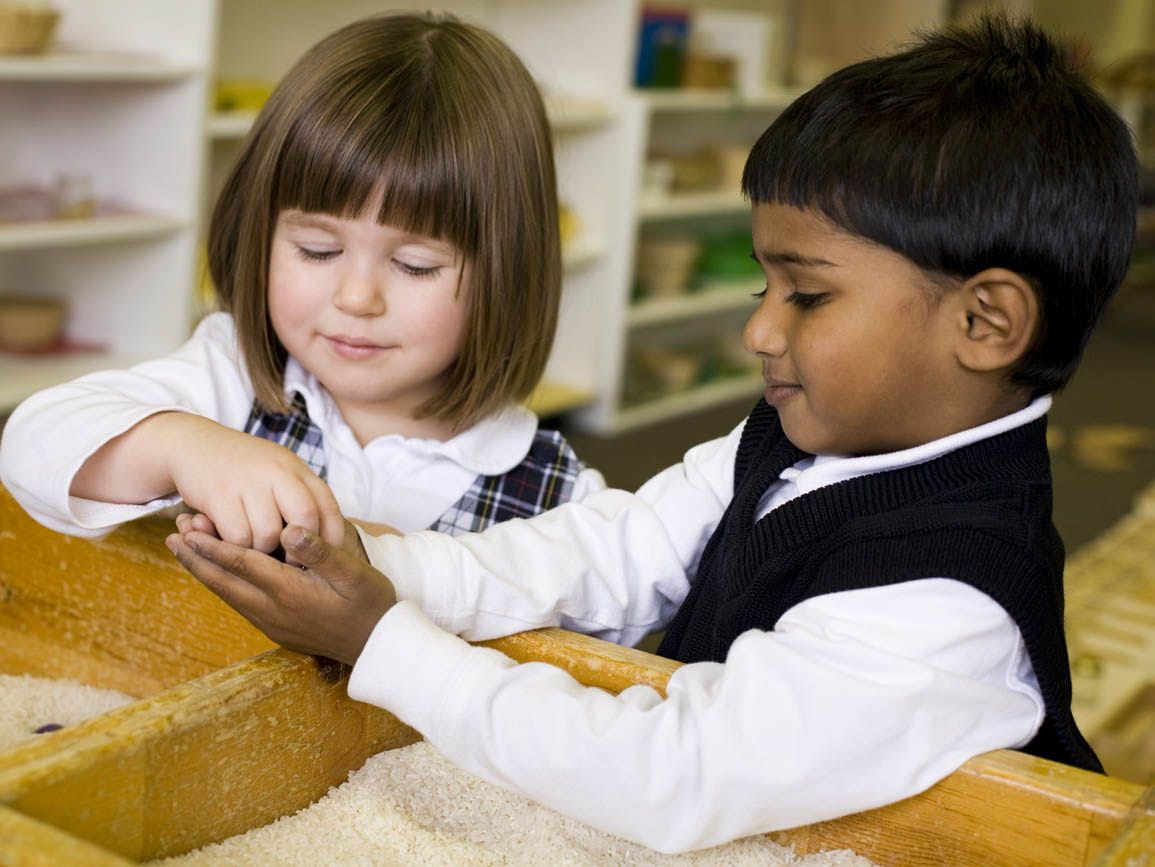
column 26, row 29
column 30, row 324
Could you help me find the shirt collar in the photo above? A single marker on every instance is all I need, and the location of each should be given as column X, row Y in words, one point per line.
column 494, row 445
column 811, row 474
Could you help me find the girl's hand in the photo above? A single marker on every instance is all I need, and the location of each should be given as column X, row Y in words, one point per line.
column 249, row 488
column 328, row 606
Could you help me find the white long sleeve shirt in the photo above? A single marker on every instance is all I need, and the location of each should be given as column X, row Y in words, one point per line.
column 405, row 482
column 855, row 699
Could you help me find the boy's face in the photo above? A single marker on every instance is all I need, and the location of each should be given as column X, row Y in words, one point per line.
column 857, row 357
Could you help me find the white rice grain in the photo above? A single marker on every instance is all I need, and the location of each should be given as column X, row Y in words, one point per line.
column 410, row 807
column 27, row 703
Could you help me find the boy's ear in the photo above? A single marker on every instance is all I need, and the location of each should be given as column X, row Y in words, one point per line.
column 998, row 316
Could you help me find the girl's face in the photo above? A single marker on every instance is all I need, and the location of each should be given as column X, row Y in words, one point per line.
column 375, row 313
column 856, row 357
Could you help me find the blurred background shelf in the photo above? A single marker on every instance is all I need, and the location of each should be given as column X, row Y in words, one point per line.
column 708, row 300
column 93, row 66
column 23, row 375
column 772, row 99
column 554, row 398
column 582, row 251
column 692, row 400
column 675, row 206
column 96, row 230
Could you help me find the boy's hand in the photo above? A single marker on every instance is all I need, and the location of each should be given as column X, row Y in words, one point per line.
column 327, row 606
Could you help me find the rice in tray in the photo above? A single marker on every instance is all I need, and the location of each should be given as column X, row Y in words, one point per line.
column 33, row 705
column 410, row 806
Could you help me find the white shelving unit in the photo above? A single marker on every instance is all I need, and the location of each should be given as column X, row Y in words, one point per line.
column 681, row 120
column 120, row 102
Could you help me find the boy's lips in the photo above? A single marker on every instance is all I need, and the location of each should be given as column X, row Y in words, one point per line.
column 779, row 390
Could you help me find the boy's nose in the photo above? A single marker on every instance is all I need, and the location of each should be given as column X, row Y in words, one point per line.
column 763, row 334
column 360, row 295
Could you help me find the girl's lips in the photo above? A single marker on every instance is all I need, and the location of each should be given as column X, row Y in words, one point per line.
column 352, row 349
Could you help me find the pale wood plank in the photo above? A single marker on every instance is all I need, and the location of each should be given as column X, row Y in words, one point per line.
column 118, row 613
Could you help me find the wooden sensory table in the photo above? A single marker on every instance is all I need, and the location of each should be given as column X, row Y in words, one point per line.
column 228, row 734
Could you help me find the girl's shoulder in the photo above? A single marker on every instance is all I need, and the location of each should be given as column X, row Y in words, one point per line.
column 217, row 327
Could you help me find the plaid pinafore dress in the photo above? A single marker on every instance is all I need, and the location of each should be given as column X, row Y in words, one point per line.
column 545, row 478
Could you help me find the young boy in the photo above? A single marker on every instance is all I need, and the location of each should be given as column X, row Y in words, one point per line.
column 863, row 576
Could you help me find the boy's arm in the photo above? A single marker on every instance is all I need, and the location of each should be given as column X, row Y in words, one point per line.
column 615, row 565
column 857, row 700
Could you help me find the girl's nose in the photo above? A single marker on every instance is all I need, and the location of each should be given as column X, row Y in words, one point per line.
column 360, row 295
column 763, row 334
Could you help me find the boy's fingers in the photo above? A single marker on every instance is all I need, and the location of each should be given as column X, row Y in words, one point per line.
column 310, row 550
column 349, row 575
column 237, row 592
column 243, row 565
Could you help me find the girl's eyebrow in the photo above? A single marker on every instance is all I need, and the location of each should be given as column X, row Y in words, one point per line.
column 789, row 257
column 300, row 218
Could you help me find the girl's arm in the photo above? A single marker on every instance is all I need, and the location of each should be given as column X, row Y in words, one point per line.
column 112, row 446
column 248, row 488
column 51, row 435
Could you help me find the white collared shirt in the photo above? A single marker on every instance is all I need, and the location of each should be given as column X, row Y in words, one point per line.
column 854, row 700
column 404, row 482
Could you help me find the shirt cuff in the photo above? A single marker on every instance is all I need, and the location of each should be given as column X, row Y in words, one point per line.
column 389, row 554
column 414, row 669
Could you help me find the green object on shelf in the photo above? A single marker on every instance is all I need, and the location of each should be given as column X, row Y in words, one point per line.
column 726, row 257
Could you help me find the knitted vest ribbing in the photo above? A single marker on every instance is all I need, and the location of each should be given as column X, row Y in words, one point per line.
column 980, row 514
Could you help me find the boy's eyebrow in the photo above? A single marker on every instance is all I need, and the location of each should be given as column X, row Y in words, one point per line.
column 789, row 257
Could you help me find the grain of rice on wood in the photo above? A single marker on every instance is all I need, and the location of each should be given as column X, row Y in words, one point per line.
column 28, row 703
column 410, row 806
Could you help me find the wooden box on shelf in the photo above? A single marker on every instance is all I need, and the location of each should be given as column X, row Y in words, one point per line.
column 242, row 745
column 27, row 28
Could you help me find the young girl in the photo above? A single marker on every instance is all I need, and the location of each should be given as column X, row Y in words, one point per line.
column 387, row 259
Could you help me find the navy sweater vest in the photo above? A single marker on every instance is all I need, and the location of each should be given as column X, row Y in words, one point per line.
column 980, row 514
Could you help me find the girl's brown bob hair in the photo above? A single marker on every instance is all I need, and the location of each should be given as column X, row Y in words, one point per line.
column 444, row 121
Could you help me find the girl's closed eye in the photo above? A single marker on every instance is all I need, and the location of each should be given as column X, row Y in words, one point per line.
column 311, row 254
column 418, row 271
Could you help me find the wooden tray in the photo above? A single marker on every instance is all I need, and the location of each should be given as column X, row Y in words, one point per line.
column 239, row 746
column 119, row 613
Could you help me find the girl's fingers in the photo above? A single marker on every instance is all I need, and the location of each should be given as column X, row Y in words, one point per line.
column 231, row 522
column 263, row 514
column 330, row 521
column 296, row 502
column 202, row 524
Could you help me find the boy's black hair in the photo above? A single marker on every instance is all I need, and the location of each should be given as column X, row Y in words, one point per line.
column 975, row 148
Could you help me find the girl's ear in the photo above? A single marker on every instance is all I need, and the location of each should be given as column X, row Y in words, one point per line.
column 998, row 317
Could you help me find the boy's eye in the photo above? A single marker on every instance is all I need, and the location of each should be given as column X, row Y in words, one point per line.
column 758, row 295
column 310, row 255
column 415, row 271
column 806, row 300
